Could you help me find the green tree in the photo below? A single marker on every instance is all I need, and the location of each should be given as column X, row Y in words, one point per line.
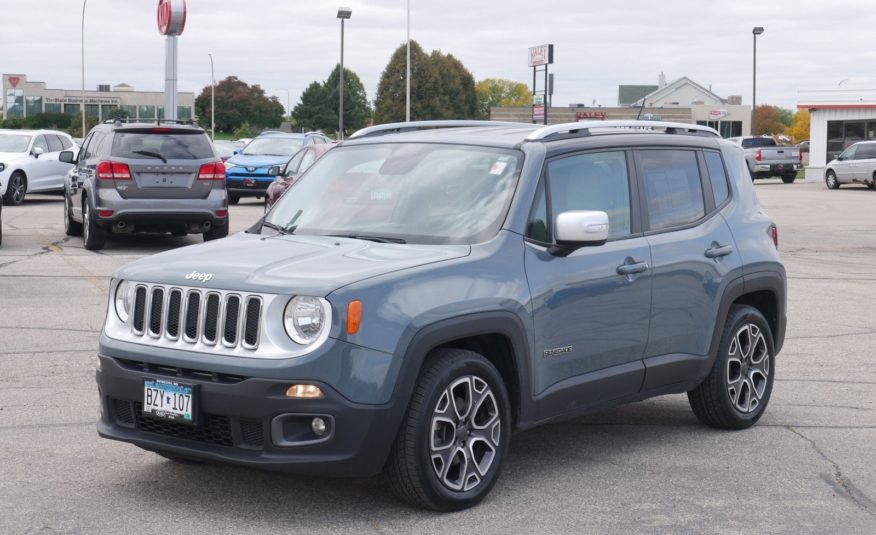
column 356, row 109
column 498, row 92
column 313, row 111
column 768, row 121
column 389, row 103
column 238, row 102
column 786, row 116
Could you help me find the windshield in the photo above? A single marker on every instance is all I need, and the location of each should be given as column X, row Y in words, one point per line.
column 273, row 146
column 410, row 192
column 14, row 143
column 758, row 142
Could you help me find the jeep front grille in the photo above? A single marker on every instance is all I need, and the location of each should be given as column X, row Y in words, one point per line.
column 209, row 317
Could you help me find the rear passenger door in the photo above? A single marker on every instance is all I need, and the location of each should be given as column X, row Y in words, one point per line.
column 863, row 164
column 591, row 308
column 693, row 255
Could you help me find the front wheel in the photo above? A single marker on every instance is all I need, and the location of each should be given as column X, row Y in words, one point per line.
column 454, row 437
column 831, row 180
column 15, row 190
column 735, row 393
column 789, row 179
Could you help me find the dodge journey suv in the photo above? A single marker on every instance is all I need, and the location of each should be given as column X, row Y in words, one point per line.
column 428, row 289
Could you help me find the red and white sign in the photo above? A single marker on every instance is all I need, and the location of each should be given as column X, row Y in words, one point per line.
column 541, row 55
column 582, row 115
column 13, row 80
column 538, row 112
column 171, row 17
column 718, row 114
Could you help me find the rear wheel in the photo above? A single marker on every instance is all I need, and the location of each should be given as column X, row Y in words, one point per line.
column 789, row 179
column 16, row 189
column 93, row 236
column 735, row 393
column 831, row 180
column 454, row 437
column 71, row 227
column 233, row 198
column 216, row 232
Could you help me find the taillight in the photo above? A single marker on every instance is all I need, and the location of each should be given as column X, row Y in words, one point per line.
column 774, row 234
column 758, row 155
column 212, row 171
column 113, row 171
column 162, row 130
column 800, row 156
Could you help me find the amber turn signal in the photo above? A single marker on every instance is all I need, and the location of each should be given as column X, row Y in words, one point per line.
column 354, row 316
column 304, row 391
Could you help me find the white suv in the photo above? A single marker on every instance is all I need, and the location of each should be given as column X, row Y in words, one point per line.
column 29, row 162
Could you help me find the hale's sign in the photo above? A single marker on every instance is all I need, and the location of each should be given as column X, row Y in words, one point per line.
column 541, row 55
column 718, row 114
column 580, row 115
column 171, row 17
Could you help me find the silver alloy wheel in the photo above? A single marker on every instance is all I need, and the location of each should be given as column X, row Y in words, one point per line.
column 831, row 180
column 748, row 368
column 16, row 183
column 464, row 434
column 66, row 215
column 86, row 220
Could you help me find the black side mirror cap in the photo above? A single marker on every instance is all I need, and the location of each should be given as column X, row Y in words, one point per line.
column 66, row 157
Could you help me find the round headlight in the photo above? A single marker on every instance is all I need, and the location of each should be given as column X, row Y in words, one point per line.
column 305, row 319
column 124, row 292
column 2, row 167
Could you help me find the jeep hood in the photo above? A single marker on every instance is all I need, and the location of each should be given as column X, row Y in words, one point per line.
column 243, row 160
column 305, row 265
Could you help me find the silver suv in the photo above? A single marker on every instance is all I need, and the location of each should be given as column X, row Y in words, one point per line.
column 145, row 178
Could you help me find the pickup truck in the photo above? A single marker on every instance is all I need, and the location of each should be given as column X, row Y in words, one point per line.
column 766, row 158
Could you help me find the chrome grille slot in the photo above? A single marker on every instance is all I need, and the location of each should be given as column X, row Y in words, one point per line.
column 231, row 323
column 155, row 311
column 201, row 319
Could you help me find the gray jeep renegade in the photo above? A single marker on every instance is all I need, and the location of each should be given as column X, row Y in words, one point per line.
column 427, row 289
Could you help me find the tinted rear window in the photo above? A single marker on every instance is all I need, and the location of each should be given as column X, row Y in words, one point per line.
column 758, row 142
column 171, row 146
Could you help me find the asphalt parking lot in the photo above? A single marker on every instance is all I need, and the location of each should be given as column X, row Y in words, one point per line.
column 809, row 466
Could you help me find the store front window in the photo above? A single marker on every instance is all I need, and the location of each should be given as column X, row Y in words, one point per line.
column 842, row 134
column 725, row 128
column 147, row 113
column 184, row 113
column 33, row 106
column 72, row 109
column 92, row 110
column 53, row 107
column 14, row 103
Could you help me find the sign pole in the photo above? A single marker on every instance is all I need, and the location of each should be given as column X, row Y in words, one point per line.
column 171, row 23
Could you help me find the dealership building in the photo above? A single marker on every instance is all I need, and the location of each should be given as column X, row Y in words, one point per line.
column 838, row 118
column 23, row 98
column 682, row 100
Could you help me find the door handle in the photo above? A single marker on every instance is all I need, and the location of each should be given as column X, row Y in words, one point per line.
column 717, row 251
column 629, row 269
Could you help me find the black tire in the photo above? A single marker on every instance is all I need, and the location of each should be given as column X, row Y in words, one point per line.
column 93, row 236
column 831, row 180
column 412, row 472
column 16, row 189
column 233, row 198
column 71, row 227
column 872, row 184
column 712, row 401
column 789, row 179
column 216, row 232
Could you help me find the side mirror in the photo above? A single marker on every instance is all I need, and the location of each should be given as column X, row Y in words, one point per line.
column 840, row 157
column 236, row 151
column 66, row 157
column 579, row 228
column 274, row 170
column 37, row 151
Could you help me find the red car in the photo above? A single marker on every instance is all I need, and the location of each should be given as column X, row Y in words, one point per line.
column 296, row 165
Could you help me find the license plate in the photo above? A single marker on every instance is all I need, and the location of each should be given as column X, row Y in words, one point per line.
column 157, row 180
column 169, row 400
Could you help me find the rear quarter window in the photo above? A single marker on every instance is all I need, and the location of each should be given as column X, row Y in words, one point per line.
column 718, row 176
column 673, row 187
column 171, row 146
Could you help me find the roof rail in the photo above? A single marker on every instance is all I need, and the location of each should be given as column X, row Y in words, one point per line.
column 396, row 128
column 584, row 128
column 132, row 120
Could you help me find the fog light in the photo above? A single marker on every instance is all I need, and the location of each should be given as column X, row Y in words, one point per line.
column 318, row 426
column 304, row 391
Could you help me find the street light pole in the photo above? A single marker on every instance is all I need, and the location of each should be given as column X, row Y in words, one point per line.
column 212, row 100
column 83, row 69
column 408, row 76
column 288, row 101
column 757, row 30
column 343, row 14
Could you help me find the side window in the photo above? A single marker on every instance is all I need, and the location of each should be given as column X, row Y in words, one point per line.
column 592, row 181
column 849, row 153
column 537, row 228
column 65, row 142
column 83, row 150
column 867, row 151
column 93, row 144
column 307, row 161
column 40, row 142
column 673, row 187
column 54, row 142
column 718, row 176
column 292, row 166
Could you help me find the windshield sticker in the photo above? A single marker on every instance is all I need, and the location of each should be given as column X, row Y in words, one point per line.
column 381, row 195
column 498, row 168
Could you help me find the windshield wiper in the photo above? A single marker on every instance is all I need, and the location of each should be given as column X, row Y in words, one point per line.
column 150, row 153
column 378, row 239
column 278, row 228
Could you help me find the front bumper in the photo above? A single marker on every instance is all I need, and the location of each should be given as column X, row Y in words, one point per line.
column 249, row 421
column 248, row 186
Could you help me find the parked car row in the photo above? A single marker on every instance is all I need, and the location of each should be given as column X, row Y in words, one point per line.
column 29, row 163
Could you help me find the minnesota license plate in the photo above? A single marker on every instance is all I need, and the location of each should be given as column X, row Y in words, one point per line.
column 169, row 400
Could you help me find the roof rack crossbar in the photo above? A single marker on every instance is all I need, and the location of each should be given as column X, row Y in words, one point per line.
column 584, row 128
column 395, row 128
column 132, row 120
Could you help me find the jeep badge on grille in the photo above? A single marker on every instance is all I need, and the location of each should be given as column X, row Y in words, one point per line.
column 201, row 277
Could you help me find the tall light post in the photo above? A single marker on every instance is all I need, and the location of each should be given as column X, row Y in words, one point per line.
column 343, row 14
column 757, row 30
column 212, row 100
column 408, row 76
column 83, row 69
column 288, row 101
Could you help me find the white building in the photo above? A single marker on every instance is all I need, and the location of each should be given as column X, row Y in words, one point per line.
column 23, row 98
column 839, row 117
